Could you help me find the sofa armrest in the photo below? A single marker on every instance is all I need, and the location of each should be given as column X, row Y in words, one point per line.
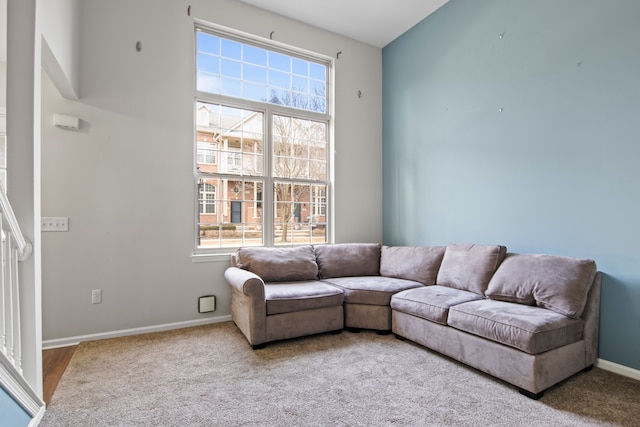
column 248, row 304
column 245, row 282
column 591, row 317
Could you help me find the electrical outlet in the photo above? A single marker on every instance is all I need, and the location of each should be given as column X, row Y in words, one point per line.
column 96, row 296
column 49, row 223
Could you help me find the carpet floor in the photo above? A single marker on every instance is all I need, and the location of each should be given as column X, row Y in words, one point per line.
column 210, row 376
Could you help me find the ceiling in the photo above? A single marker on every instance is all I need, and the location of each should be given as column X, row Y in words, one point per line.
column 375, row 22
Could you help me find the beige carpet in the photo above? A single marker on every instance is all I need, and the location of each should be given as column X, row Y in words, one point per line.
column 209, row 376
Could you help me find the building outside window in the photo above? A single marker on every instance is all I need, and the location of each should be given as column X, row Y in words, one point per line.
column 207, row 199
column 206, row 152
column 262, row 142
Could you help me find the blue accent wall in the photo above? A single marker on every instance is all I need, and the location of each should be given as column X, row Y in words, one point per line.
column 12, row 414
column 518, row 123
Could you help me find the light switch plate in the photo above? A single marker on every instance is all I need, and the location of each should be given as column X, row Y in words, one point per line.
column 50, row 223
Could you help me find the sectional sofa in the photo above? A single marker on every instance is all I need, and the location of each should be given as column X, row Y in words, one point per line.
column 530, row 320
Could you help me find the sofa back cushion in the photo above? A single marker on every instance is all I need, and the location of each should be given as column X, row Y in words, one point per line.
column 470, row 267
column 348, row 259
column 558, row 283
column 279, row 264
column 418, row 263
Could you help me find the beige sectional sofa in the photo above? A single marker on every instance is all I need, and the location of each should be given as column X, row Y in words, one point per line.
column 530, row 320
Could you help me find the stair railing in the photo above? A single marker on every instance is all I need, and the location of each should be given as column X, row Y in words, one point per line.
column 14, row 248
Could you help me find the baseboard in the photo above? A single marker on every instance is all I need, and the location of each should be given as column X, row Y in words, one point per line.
column 18, row 388
column 65, row 342
column 618, row 369
column 35, row 421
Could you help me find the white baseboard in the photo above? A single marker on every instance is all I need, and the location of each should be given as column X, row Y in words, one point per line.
column 618, row 369
column 13, row 382
column 65, row 342
column 35, row 421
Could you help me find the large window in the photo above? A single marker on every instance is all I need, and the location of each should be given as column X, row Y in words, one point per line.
column 262, row 144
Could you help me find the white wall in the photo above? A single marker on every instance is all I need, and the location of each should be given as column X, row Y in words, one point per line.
column 125, row 178
column 3, row 84
column 60, row 47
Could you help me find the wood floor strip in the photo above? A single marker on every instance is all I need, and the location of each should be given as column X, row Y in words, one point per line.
column 54, row 363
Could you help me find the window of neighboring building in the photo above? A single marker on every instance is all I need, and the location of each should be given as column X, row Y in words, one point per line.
column 262, row 143
column 207, row 199
column 206, row 152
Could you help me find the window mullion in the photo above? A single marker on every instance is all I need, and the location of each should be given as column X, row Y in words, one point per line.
column 268, row 193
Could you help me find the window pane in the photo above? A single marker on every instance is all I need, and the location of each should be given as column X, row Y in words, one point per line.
column 244, row 68
column 279, row 79
column 318, row 170
column 230, row 213
column 317, row 104
column 208, row 63
column 280, row 97
column 254, row 55
column 318, row 71
column 206, row 154
column 300, row 84
column 254, row 92
column 299, row 148
column 231, row 49
column 208, row 43
column 300, row 214
column 253, row 73
column 300, row 67
column 253, row 164
column 279, row 61
column 317, row 88
column 208, row 83
column 232, row 138
column 230, row 68
column 230, row 87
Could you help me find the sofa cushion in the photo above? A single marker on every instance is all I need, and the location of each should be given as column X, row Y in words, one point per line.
column 558, row 283
column 279, row 264
column 530, row 329
column 348, row 259
column 371, row 290
column 419, row 263
column 470, row 267
column 298, row 296
column 431, row 302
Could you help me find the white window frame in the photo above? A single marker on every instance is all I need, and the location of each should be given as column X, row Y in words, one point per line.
column 268, row 110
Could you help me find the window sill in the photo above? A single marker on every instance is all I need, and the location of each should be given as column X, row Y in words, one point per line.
column 209, row 257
